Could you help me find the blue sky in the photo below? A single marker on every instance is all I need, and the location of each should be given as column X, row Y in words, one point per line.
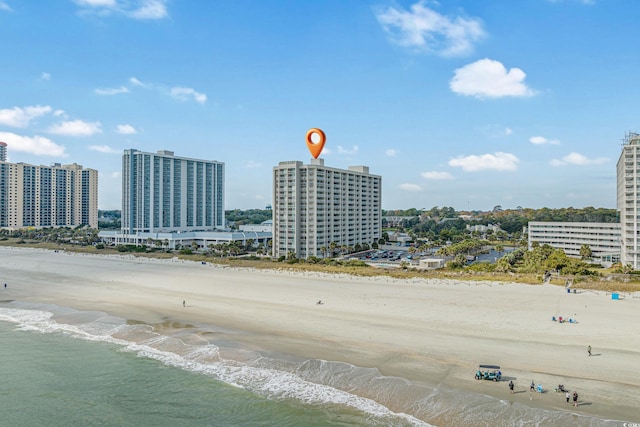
column 469, row 104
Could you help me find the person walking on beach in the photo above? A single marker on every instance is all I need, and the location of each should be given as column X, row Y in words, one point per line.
column 589, row 351
column 575, row 398
column 511, row 386
column 533, row 386
column 184, row 303
column 568, row 396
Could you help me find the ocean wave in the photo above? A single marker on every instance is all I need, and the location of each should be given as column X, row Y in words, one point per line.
column 387, row 401
column 204, row 359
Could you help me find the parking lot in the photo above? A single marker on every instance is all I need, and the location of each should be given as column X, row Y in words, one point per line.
column 393, row 255
column 384, row 256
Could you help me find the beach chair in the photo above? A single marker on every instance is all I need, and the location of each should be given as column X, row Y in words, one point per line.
column 539, row 388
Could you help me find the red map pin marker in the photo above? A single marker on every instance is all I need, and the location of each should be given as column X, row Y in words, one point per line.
column 315, row 147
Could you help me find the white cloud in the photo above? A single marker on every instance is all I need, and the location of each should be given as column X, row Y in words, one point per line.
column 4, row 6
column 540, row 140
column 37, row 145
column 487, row 78
column 103, row 149
column 136, row 82
column 150, row 9
column 96, row 3
column 76, row 128
column 136, row 9
column 21, row 117
column 112, row 91
column 410, row 187
column 498, row 162
column 578, row 159
column 508, row 131
column 185, row 93
column 45, row 76
column 427, row 30
column 177, row 92
column 436, row 175
column 352, row 151
column 115, row 174
column 126, row 130
column 391, row 152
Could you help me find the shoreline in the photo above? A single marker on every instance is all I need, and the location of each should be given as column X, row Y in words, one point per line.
column 431, row 330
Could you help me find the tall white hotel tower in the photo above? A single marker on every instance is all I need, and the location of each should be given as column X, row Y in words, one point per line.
column 315, row 206
column 162, row 193
column 628, row 200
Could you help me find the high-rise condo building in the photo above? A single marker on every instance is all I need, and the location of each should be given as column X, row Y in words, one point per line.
column 317, row 208
column 162, row 192
column 628, row 199
column 43, row 196
column 3, row 151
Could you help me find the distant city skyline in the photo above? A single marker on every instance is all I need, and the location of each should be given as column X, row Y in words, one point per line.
column 460, row 103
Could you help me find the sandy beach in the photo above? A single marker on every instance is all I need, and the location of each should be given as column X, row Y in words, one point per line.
column 432, row 331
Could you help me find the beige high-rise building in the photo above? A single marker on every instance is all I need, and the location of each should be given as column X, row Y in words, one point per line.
column 316, row 208
column 47, row 196
column 628, row 199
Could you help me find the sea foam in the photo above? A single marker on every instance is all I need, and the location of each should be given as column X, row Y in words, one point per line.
column 204, row 359
column 312, row 382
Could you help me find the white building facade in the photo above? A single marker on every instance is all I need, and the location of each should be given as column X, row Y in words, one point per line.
column 628, row 200
column 265, row 227
column 603, row 238
column 316, row 207
column 203, row 239
column 165, row 193
column 47, row 196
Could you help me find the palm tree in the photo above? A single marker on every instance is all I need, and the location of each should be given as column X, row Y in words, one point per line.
column 585, row 251
column 234, row 248
column 333, row 246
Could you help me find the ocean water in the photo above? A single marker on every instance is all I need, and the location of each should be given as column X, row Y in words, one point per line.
column 62, row 367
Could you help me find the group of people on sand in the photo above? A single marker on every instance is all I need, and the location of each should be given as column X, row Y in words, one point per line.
column 568, row 395
column 561, row 319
